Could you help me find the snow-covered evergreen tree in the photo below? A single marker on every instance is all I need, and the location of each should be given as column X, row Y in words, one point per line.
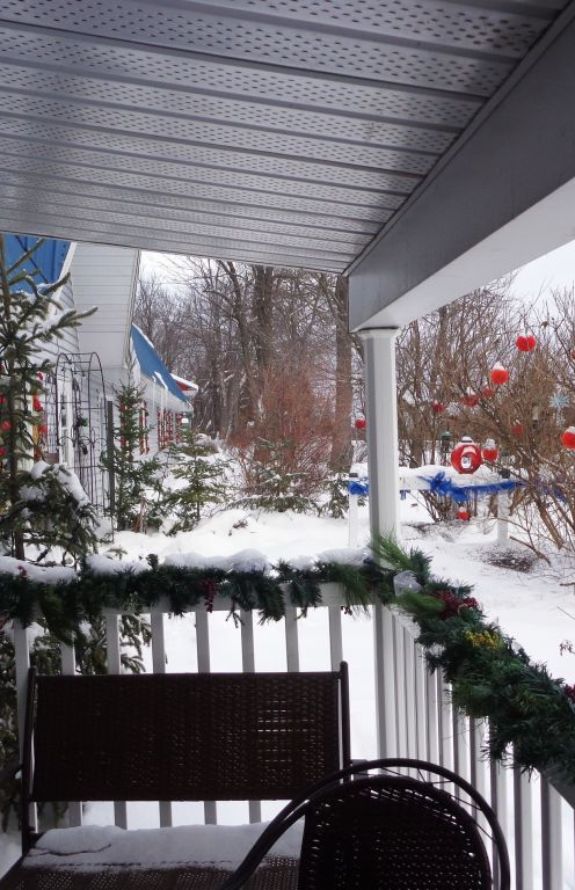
column 203, row 476
column 30, row 318
column 138, row 502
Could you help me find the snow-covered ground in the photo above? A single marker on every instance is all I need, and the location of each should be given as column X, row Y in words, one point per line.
column 531, row 607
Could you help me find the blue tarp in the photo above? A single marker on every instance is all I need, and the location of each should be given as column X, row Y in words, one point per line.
column 152, row 365
column 46, row 263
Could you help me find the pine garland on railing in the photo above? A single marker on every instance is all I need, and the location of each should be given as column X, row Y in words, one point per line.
column 490, row 675
column 65, row 604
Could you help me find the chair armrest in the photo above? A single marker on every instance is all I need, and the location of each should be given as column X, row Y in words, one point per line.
column 9, row 771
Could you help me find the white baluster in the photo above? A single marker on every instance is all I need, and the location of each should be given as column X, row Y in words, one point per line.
column 114, row 659
column 203, row 649
column 248, row 667
column 159, row 667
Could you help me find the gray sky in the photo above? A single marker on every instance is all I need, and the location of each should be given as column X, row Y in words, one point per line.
column 555, row 270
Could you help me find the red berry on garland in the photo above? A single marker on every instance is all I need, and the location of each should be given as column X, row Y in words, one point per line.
column 2, row 452
column 526, row 343
column 463, row 514
column 499, row 374
column 5, row 426
column 570, row 692
column 360, row 423
column 437, row 407
column 568, row 438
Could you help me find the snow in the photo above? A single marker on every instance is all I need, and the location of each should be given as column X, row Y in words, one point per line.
column 101, row 564
column 93, row 847
column 47, row 574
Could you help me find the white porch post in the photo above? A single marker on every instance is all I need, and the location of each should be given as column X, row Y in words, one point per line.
column 383, row 454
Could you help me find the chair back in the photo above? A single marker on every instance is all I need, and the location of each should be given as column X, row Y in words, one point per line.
column 186, row 736
column 391, row 832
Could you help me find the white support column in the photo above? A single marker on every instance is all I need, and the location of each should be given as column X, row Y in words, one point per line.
column 382, row 453
column 382, row 442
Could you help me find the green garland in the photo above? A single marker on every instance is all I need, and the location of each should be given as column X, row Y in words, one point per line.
column 490, row 675
column 66, row 604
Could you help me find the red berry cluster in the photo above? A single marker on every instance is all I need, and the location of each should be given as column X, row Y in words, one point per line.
column 452, row 603
column 209, row 590
column 570, row 692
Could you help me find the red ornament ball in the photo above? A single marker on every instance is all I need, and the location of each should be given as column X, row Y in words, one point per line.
column 2, row 452
column 463, row 514
column 37, row 404
column 437, row 407
column 466, row 456
column 5, row 426
column 499, row 374
column 490, row 452
column 526, row 343
column 568, row 438
column 360, row 423
column 470, row 399
column 43, row 429
column 487, row 392
column 518, row 429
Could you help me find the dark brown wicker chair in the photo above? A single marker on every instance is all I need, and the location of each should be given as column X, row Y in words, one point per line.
column 398, row 829
column 193, row 737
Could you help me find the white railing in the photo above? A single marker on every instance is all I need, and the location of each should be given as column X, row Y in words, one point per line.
column 537, row 817
column 415, row 718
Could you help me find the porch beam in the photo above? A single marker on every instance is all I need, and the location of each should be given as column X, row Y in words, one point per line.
column 501, row 197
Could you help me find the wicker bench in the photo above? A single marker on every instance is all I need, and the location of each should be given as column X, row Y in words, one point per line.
column 177, row 737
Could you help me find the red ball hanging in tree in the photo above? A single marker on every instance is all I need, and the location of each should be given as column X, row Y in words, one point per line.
column 518, row 429
column 37, row 404
column 526, row 343
column 568, row 438
column 470, row 399
column 5, row 426
column 437, row 407
column 499, row 374
column 490, row 452
column 466, row 456
column 463, row 514
column 360, row 423
column 487, row 392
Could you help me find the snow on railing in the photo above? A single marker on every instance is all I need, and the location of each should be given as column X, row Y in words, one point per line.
column 416, row 719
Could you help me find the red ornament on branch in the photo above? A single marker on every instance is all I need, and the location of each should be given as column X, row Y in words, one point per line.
column 526, row 343
column 463, row 514
column 5, row 426
column 499, row 374
column 466, row 456
column 470, row 399
column 518, row 429
column 490, row 452
column 568, row 438
column 437, row 407
column 37, row 404
column 360, row 423
column 487, row 392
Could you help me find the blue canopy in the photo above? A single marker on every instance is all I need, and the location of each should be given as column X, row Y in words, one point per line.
column 152, row 365
column 46, row 263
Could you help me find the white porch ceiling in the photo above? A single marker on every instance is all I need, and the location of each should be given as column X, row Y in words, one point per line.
column 286, row 132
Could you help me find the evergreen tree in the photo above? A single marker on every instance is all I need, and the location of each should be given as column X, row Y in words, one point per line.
column 270, row 484
column 203, row 476
column 138, row 502
column 31, row 317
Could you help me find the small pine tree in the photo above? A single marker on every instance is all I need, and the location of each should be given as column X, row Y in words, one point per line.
column 139, row 502
column 338, row 498
column 203, row 475
column 31, row 318
column 269, row 483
